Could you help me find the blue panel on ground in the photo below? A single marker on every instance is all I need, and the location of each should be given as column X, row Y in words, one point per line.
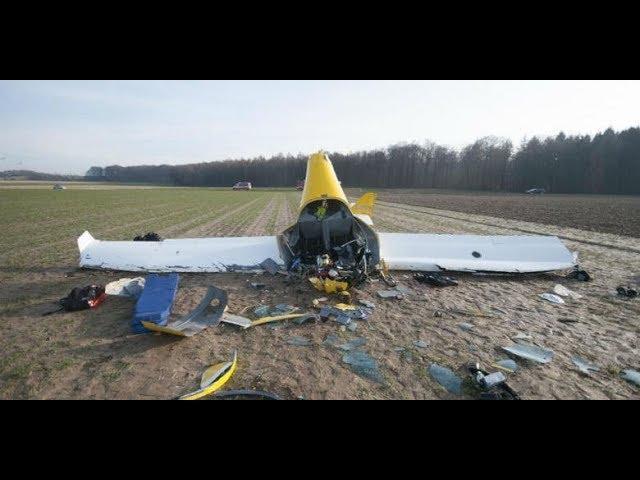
column 154, row 304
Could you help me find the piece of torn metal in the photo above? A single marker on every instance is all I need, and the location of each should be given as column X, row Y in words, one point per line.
column 201, row 317
column 236, row 320
column 445, row 377
column 530, row 352
column 507, row 364
column 390, row 294
column 283, row 308
column 584, row 366
column 269, row 266
column 551, row 297
column 631, row 376
column 214, row 378
column 262, row 311
column 368, row 304
column 435, row 279
column 362, row 364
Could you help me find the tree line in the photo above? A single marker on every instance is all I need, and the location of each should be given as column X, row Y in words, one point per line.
column 608, row 162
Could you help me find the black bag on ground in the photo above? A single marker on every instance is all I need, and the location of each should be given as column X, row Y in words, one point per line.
column 82, row 298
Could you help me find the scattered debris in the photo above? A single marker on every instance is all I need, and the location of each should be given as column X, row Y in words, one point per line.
column 345, row 306
column 198, row 319
column 352, row 327
column 278, row 318
column 420, row 344
column 343, row 320
column 356, row 313
column 584, row 366
column 565, row 292
column 627, row 292
column 236, row 320
column 506, row 364
column 257, row 286
column 435, row 279
column 246, row 393
column 368, row 304
column 390, row 294
column 467, row 327
column 262, row 311
column 283, row 309
column 304, row 319
column 530, row 352
column 299, row 341
column 631, row 376
column 551, row 298
column 494, row 385
column 445, row 377
column 125, row 287
column 580, row 275
column 361, row 363
column 327, row 285
column 213, row 378
column 148, row 237
column 270, row 266
column 337, row 342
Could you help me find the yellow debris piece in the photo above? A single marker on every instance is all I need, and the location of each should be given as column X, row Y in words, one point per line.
column 277, row 318
column 327, row 285
column 345, row 306
column 224, row 376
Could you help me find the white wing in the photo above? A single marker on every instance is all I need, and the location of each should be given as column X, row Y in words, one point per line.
column 219, row 254
column 476, row 253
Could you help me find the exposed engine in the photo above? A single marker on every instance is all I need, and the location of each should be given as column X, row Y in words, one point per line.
column 329, row 242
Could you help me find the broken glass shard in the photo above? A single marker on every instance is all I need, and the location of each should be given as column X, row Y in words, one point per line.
column 445, row 377
column 530, row 352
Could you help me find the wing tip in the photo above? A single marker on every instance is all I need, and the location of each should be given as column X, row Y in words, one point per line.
column 85, row 240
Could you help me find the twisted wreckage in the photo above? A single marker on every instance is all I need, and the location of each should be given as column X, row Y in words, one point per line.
column 335, row 242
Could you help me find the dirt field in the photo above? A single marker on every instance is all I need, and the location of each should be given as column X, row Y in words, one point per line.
column 92, row 354
column 599, row 213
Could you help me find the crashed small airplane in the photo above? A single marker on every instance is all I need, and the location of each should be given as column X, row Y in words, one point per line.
column 334, row 240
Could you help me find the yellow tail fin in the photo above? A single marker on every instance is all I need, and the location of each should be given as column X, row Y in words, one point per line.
column 364, row 205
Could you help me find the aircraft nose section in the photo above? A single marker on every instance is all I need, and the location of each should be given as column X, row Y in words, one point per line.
column 321, row 181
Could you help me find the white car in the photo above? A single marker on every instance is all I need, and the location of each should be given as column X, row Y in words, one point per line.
column 242, row 186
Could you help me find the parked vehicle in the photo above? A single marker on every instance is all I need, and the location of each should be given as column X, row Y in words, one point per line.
column 535, row 191
column 59, row 186
column 242, row 186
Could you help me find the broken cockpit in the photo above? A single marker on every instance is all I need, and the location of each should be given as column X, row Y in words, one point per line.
column 328, row 241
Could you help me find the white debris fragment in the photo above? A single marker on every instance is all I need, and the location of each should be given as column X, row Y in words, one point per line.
column 551, row 298
column 565, row 292
column 125, row 287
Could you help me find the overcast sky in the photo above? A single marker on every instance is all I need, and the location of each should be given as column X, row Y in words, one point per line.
column 67, row 126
